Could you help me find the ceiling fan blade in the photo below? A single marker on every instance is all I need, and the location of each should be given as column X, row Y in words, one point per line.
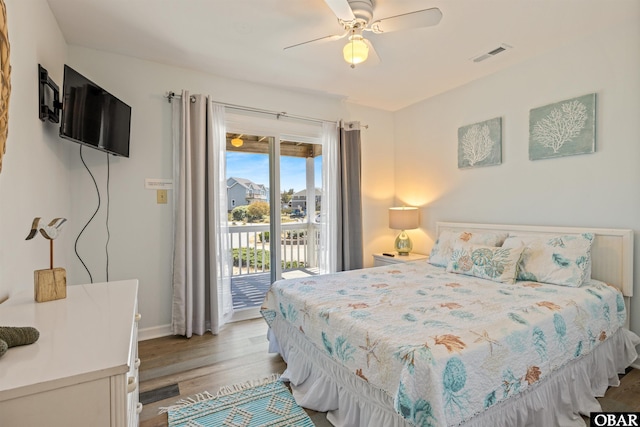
column 341, row 9
column 320, row 40
column 373, row 58
column 407, row 21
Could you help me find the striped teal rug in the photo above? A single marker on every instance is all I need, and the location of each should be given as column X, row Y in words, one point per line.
column 262, row 403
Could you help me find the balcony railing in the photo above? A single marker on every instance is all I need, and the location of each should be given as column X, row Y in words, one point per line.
column 251, row 245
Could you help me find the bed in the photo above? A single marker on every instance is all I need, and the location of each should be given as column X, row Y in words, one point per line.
column 490, row 335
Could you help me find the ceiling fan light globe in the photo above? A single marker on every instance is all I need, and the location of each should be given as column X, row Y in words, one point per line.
column 355, row 51
column 237, row 142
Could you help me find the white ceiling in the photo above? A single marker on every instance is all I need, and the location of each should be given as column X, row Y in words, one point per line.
column 244, row 39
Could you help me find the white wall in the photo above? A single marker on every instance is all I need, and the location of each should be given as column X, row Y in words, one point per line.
column 35, row 174
column 594, row 190
column 140, row 229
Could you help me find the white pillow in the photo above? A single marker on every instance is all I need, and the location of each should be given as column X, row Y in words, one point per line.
column 559, row 259
column 442, row 249
column 499, row 264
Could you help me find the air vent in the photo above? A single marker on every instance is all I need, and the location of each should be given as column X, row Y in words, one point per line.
column 497, row 50
column 493, row 52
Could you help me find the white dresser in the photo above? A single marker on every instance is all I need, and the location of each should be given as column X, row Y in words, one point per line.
column 83, row 370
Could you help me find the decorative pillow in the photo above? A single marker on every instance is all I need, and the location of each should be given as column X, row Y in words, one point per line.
column 559, row 260
column 486, row 262
column 442, row 249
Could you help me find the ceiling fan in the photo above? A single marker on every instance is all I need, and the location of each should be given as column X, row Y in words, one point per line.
column 356, row 17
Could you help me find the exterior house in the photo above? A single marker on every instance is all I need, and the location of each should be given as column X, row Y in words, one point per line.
column 243, row 192
column 299, row 200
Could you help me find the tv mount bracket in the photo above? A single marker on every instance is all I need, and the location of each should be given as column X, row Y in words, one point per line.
column 49, row 94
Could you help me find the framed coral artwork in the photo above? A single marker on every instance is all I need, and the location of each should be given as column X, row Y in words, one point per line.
column 480, row 144
column 564, row 128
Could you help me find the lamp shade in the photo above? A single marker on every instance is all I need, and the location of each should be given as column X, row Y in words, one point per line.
column 404, row 218
column 356, row 50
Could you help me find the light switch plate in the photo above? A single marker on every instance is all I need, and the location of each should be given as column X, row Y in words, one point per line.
column 161, row 196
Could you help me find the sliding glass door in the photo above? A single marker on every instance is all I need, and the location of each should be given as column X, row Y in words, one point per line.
column 274, row 193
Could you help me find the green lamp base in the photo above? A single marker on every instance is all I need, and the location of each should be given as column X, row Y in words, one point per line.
column 403, row 244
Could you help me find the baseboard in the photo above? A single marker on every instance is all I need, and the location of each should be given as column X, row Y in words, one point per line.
column 154, row 332
column 636, row 364
column 165, row 330
column 246, row 314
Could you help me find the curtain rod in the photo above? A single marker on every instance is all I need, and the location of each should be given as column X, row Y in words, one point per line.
column 170, row 95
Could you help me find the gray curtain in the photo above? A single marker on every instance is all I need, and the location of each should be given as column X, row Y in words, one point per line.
column 201, row 259
column 349, row 194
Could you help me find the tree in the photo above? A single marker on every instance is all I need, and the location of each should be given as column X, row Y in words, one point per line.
column 239, row 213
column 257, row 210
column 286, row 196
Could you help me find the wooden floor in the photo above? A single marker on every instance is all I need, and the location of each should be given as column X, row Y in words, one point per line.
column 204, row 363
column 239, row 353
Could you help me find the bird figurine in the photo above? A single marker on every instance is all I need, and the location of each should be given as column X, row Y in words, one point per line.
column 50, row 232
column 50, row 284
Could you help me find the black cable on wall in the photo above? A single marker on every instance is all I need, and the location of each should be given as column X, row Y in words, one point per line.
column 90, row 219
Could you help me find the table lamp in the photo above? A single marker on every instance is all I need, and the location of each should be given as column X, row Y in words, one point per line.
column 404, row 218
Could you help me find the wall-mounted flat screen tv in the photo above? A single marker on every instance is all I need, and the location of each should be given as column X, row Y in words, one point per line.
column 94, row 117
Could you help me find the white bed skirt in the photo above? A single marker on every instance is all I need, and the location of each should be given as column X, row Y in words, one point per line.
column 321, row 384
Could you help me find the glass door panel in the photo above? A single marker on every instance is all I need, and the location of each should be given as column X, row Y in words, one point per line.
column 300, row 198
column 274, row 194
column 248, row 180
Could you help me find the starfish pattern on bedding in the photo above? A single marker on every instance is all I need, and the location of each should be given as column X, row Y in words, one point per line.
column 370, row 348
column 305, row 312
column 485, row 337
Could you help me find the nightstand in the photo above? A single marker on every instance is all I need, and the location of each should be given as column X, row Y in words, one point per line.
column 379, row 259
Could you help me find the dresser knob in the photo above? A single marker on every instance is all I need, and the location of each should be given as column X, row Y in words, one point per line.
column 132, row 384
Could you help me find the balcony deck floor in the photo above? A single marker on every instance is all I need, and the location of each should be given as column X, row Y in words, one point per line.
column 248, row 290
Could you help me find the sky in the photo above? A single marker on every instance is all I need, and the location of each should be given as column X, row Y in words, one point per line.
column 256, row 168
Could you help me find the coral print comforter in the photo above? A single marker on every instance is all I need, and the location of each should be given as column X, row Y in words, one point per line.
column 445, row 346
